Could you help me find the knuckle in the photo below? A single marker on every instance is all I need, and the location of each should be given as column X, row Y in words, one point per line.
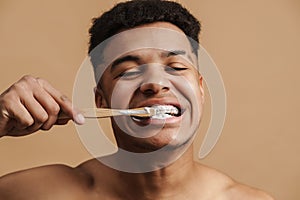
column 49, row 123
column 40, row 81
column 42, row 118
column 28, row 81
column 19, row 86
column 8, row 106
column 64, row 98
column 26, row 122
column 28, row 78
column 54, row 109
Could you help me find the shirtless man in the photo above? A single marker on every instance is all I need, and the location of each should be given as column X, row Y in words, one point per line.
column 144, row 77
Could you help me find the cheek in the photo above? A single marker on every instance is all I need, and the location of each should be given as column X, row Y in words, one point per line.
column 122, row 93
column 189, row 87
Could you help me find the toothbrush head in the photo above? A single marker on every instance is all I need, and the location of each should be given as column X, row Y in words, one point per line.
column 159, row 110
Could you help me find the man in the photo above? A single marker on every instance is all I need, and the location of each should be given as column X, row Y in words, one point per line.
column 130, row 77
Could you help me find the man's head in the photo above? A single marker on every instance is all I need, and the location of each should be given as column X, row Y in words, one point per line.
column 150, row 61
column 134, row 13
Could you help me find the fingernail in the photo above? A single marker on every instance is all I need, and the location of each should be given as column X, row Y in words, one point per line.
column 79, row 119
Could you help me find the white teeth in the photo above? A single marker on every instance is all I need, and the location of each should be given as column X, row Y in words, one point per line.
column 161, row 116
column 164, row 111
column 136, row 119
column 161, row 112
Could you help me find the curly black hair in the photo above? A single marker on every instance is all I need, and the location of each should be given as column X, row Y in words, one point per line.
column 133, row 13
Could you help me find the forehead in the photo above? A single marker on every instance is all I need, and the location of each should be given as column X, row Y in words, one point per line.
column 145, row 38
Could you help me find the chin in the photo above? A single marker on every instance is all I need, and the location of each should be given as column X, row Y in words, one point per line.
column 167, row 140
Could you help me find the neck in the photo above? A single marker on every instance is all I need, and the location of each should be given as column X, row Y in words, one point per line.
column 175, row 179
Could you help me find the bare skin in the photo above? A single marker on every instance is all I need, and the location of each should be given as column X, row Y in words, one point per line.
column 92, row 180
column 23, row 113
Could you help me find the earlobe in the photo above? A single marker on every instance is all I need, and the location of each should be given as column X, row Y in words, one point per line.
column 99, row 98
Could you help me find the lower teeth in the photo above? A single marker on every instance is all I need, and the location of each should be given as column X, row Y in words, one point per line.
column 161, row 116
column 139, row 119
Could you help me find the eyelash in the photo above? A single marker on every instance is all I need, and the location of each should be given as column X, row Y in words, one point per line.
column 124, row 74
column 173, row 66
column 178, row 68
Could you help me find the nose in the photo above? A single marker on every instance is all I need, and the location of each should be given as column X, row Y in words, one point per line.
column 155, row 81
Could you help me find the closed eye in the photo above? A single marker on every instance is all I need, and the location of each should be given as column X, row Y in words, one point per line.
column 179, row 68
column 129, row 74
column 176, row 67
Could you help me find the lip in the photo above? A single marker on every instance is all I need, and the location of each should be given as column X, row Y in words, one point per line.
column 159, row 101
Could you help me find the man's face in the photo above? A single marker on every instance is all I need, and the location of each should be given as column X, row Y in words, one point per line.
column 142, row 76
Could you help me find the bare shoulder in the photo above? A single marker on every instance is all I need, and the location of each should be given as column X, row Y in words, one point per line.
column 43, row 182
column 241, row 191
column 225, row 188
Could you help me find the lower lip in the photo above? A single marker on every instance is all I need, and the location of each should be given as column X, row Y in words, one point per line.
column 154, row 121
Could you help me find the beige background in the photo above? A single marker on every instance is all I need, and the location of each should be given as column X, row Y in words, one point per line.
column 255, row 44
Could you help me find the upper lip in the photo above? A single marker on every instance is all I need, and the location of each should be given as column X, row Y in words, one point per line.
column 159, row 101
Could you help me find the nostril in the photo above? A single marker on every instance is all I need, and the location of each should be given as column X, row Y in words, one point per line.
column 148, row 92
column 152, row 88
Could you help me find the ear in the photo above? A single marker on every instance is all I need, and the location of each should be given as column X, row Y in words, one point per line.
column 100, row 101
column 201, row 88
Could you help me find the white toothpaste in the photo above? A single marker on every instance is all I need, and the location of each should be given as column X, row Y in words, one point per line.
column 164, row 111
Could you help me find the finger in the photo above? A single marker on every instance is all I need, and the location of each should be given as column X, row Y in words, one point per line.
column 15, row 110
column 20, row 122
column 23, row 92
column 50, row 105
column 63, row 101
column 35, row 109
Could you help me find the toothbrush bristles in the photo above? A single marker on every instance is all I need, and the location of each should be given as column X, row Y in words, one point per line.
column 160, row 110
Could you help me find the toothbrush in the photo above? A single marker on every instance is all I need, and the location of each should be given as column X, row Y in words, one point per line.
column 137, row 112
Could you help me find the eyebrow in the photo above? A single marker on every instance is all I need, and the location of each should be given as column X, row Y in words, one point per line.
column 179, row 52
column 175, row 53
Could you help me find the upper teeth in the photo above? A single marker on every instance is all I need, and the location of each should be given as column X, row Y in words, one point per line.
column 163, row 109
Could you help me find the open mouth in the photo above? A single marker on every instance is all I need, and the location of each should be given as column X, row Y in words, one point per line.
column 162, row 112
